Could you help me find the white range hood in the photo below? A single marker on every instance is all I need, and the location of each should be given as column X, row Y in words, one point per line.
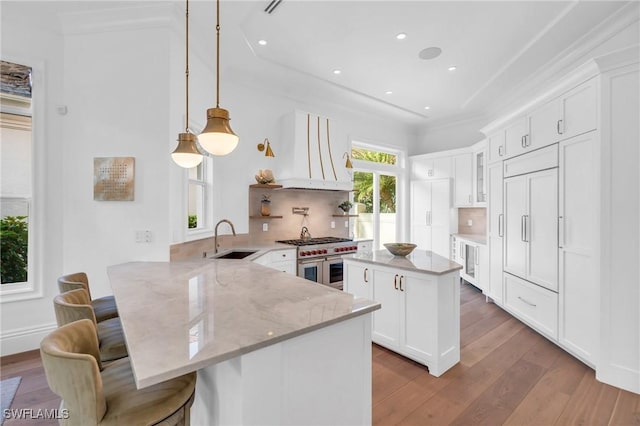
column 312, row 153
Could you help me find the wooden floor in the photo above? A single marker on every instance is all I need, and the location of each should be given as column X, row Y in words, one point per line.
column 508, row 374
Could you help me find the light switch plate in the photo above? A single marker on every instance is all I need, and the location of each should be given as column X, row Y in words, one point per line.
column 469, row 222
column 333, row 224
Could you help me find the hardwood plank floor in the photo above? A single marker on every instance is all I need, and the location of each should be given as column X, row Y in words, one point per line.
column 508, row 374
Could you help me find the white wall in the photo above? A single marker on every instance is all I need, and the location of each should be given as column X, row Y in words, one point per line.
column 444, row 137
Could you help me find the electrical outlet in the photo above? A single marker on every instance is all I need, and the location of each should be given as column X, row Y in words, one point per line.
column 469, row 222
column 265, row 227
column 333, row 224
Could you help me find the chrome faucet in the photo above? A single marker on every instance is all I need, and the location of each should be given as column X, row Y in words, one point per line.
column 215, row 238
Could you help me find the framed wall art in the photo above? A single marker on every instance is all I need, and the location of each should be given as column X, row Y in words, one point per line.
column 113, row 178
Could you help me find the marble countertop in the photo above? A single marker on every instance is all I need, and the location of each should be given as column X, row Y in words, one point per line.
column 474, row 238
column 418, row 261
column 181, row 316
column 260, row 249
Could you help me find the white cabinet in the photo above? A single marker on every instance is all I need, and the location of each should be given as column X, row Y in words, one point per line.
column 543, row 126
column 431, row 215
column 365, row 246
column 462, row 165
column 420, row 313
column 495, row 231
column 428, row 167
column 578, row 286
column 533, row 304
column 474, row 260
column 579, row 109
column 282, row 260
column 311, row 154
column 495, row 146
column 514, row 137
column 531, row 224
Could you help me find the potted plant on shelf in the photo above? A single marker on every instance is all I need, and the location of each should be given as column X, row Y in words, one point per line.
column 345, row 206
column 265, row 206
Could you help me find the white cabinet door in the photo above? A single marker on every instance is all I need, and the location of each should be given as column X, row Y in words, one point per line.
column 386, row 324
column 419, row 334
column 482, row 268
column 578, row 284
column 515, row 210
column 358, row 280
column 430, row 168
column 543, row 125
column 580, row 110
column 463, row 179
column 440, row 217
column 495, row 230
column 514, row 137
column 531, row 227
column 496, row 150
column 533, row 304
column 541, row 228
column 421, row 214
column 479, row 178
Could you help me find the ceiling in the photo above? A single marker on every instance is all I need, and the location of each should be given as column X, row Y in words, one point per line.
column 495, row 47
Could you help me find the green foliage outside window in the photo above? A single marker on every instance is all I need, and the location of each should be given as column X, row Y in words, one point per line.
column 14, row 244
column 363, row 181
column 193, row 221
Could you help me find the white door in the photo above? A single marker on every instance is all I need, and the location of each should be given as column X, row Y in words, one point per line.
column 578, row 284
column 386, row 320
column 515, row 211
column 541, row 228
column 495, row 231
column 440, row 217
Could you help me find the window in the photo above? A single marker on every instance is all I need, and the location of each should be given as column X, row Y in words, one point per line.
column 17, row 224
column 376, row 187
column 198, row 198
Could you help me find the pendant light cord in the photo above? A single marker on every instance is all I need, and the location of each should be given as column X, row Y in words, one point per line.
column 218, row 54
column 186, row 72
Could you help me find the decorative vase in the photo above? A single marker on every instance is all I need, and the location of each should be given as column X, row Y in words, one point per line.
column 265, row 208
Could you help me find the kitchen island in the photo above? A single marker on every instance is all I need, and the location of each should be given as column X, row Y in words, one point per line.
column 269, row 347
column 420, row 297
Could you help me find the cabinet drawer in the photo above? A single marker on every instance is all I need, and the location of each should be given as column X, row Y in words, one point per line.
column 534, row 305
column 281, row 255
column 287, row 266
column 365, row 246
column 541, row 159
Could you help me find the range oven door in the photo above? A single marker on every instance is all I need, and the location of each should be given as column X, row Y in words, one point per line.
column 333, row 272
column 311, row 270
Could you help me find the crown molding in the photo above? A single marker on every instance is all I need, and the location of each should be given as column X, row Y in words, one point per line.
column 118, row 18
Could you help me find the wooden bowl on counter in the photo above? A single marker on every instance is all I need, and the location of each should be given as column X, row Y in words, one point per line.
column 400, row 249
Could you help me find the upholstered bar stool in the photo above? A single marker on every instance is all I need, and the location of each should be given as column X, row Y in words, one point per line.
column 94, row 395
column 75, row 305
column 104, row 307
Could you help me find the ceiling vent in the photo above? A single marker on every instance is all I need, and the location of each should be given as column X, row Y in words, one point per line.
column 272, row 6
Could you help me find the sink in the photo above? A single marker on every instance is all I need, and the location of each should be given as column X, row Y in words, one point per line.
column 234, row 254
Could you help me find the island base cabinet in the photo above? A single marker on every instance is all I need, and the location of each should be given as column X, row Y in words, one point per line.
column 323, row 377
column 420, row 316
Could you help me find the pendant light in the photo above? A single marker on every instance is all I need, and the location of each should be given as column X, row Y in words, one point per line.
column 217, row 136
column 186, row 153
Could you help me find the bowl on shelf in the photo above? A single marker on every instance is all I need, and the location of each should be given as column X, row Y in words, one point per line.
column 400, row 249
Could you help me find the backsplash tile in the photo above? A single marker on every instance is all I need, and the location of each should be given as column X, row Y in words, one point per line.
column 478, row 217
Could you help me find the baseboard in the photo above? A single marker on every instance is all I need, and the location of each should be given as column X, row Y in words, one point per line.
column 24, row 339
column 620, row 377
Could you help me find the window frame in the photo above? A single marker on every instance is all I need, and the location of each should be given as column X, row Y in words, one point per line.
column 32, row 288
column 205, row 231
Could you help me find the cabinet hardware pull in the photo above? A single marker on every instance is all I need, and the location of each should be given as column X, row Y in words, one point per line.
column 500, row 151
column 527, row 302
column 560, row 231
column 365, row 275
column 523, row 237
column 430, row 172
column 401, row 277
column 526, row 228
column 501, row 225
column 395, row 281
column 558, row 127
column 522, row 141
column 527, row 140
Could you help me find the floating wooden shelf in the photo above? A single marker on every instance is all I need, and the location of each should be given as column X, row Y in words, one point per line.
column 344, row 215
column 265, row 217
column 265, row 186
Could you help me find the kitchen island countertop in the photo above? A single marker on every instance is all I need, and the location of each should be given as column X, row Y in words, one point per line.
column 418, row 261
column 182, row 316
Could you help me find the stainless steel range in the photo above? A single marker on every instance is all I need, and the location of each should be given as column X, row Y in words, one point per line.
column 320, row 259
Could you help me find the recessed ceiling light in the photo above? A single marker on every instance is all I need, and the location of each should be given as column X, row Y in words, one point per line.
column 388, row 92
column 427, row 107
column 452, row 68
column 336, row 72
column 401, row 36
column 430, row 53
column 262, row 42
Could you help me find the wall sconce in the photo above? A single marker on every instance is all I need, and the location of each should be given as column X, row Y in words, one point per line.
column 266, row 146
column 348, row 165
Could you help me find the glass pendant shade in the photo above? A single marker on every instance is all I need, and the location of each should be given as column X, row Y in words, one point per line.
column 217, row 137
column 186, row 153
